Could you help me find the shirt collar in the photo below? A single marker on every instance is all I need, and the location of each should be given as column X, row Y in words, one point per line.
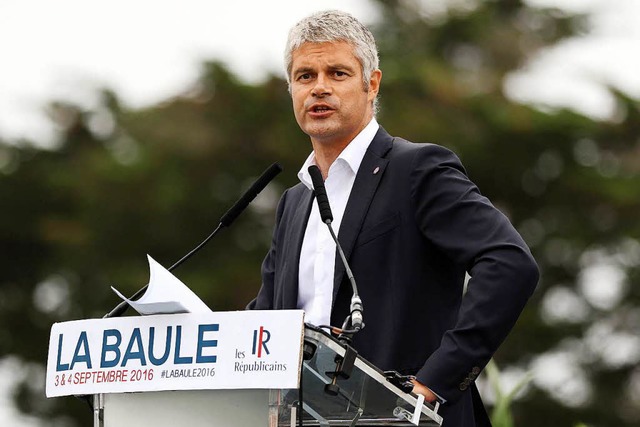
column 352, row 154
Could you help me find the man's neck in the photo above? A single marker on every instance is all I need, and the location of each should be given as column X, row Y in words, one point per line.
column 327, row 151
column 325, row 155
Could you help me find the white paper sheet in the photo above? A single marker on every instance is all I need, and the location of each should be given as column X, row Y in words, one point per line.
column 166, row 294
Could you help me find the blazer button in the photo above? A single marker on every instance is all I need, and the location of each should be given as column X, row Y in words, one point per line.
column 475, row 371
column 463, row 386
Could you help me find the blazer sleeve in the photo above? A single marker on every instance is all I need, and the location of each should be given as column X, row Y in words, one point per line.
column 265, row 298
column 455, row 217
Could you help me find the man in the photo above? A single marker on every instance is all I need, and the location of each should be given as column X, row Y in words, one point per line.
column 411, row 225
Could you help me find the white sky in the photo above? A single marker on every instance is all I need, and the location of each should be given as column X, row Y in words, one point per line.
column 575, row 72
column 145, row 50
column 148, row 51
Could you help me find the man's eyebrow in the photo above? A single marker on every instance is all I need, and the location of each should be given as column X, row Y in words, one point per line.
column 341, row 67
column 302, row 70
column 333, row 67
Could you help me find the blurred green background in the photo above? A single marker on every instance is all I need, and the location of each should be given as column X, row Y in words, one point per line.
column 123, row 182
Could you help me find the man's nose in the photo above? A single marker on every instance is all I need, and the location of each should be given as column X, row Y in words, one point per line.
column 322, row 86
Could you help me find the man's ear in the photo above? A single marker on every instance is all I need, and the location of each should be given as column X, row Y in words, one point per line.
column 374, row 84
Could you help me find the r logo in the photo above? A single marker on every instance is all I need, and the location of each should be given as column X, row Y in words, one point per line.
column 260, row 339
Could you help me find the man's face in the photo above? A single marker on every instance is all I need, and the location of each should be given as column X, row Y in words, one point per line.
column 330, row 101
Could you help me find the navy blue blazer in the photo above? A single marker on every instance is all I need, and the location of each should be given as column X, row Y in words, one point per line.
column 413, row 225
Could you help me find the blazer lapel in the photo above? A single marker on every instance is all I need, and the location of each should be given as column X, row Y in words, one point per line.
column 364, row 188
column 295, row 235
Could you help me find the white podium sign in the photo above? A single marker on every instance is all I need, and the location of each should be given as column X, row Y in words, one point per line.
column 220, row 350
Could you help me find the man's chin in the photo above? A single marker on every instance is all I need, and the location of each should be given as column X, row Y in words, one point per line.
column 321, row 133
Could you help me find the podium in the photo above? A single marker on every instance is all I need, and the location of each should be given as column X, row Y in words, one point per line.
column 338, row 388
column 229, row 369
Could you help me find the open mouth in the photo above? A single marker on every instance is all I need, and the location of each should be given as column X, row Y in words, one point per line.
column 320, row 109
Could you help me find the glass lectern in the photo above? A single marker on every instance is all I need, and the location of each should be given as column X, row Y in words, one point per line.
column 332, row 397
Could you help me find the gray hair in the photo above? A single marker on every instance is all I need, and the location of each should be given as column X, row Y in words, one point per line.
column 334, row 26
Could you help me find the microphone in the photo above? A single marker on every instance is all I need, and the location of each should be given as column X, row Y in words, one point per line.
column 326, row 216
column 225, row 221
column 250, row 194
column 321, row 195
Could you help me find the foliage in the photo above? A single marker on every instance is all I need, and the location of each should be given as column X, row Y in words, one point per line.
column 124, row 182
column 501, row 413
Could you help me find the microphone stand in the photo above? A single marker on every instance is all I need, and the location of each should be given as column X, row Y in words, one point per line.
column 354, row 322
column 122, row 307
column 225, row 221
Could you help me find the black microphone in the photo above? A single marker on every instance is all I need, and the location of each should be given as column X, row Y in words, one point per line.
column 250, row 194
column 327, row 217
column 321, row 194
column 225, row 221
column 235, row 210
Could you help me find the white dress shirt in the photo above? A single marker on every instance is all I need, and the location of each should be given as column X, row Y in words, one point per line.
column 318, row 255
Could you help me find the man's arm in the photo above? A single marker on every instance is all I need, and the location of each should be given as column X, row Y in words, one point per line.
column 454, row 216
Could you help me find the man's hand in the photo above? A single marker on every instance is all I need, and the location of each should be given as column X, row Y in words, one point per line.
column 419, row 388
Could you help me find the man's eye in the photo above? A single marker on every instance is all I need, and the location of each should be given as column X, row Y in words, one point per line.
column 305, row 76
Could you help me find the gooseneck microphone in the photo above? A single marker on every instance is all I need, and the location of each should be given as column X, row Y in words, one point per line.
column 356, row 309
column 225, row 221
column 264, row 179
